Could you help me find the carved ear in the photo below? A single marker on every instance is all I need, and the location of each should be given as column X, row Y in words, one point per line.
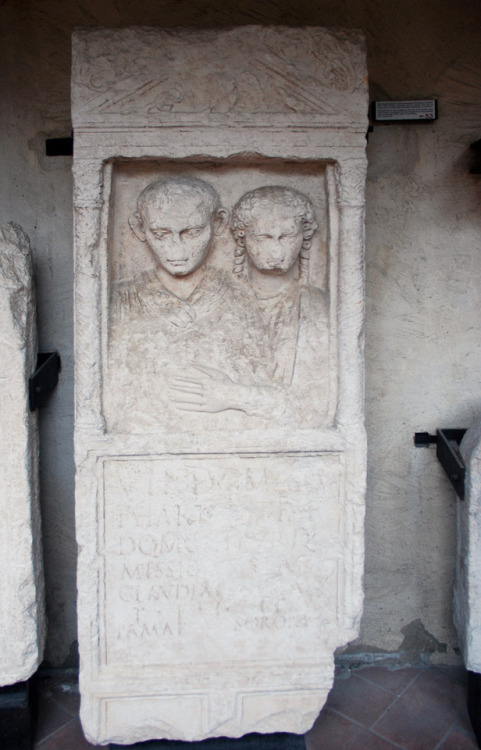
column 137, row 226
column 220, row 220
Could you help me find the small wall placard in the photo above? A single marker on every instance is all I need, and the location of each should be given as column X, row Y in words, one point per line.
column 405, row 110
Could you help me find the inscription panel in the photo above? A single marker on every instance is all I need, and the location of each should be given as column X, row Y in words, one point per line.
column 206, row 556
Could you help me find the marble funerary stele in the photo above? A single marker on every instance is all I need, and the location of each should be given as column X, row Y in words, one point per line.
column 220, row 445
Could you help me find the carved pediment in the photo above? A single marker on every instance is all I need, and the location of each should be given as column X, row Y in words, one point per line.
column 247, row 70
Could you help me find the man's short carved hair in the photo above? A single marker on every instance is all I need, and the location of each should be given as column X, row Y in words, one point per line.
column 169, row 189
column 264, row 198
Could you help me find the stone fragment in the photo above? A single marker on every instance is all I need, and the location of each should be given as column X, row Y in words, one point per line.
column 22, row 624
column 467, row 588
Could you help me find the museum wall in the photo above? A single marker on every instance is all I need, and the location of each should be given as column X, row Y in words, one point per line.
column 423, row 280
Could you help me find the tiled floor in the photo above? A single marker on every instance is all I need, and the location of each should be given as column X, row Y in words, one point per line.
column 372, row 708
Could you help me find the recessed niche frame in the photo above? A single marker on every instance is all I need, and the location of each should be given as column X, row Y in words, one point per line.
column 122, row 256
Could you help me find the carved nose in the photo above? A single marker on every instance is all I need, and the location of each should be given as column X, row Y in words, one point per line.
column 176, row 245
column 277, row 251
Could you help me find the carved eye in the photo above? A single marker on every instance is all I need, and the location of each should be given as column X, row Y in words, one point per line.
column 192, row 232
column 160, row 234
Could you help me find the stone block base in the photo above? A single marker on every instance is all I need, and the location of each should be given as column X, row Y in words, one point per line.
column 16, row 717
column 474, row 703
column 254, row 741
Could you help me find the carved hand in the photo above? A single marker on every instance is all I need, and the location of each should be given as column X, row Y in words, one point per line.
column 206, row 390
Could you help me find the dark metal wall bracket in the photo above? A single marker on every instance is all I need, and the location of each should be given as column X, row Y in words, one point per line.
column 448, row 454
column 59, row 146
column 476, row 157
column 17, row 716
column 44, row 379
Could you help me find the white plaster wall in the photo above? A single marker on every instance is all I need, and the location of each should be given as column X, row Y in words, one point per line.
column 423, row 230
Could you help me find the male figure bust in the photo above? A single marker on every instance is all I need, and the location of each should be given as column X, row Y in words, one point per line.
column 177, row 218
column 180, row 313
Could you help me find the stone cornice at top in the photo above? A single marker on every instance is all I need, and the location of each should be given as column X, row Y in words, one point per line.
column 148, row 76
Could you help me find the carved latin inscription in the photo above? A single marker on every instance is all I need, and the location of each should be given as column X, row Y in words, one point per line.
column 213, row 554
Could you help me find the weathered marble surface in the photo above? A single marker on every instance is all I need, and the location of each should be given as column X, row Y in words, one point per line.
column 246, row 74
column 467, row 589
column 22, row 623
column 220, row 445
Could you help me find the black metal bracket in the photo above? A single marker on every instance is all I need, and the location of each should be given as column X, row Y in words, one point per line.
column 17, row 716
column 476, row 157
column 44, row 379
column 474, row 703
column 59, row 146
column 448, row 454
column 254, row 741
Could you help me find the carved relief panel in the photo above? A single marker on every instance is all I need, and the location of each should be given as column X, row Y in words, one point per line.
column 219, row 437
column 217, row 297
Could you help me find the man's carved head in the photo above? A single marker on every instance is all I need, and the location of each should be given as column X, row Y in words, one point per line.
column 273, row 226
column 177, row 217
